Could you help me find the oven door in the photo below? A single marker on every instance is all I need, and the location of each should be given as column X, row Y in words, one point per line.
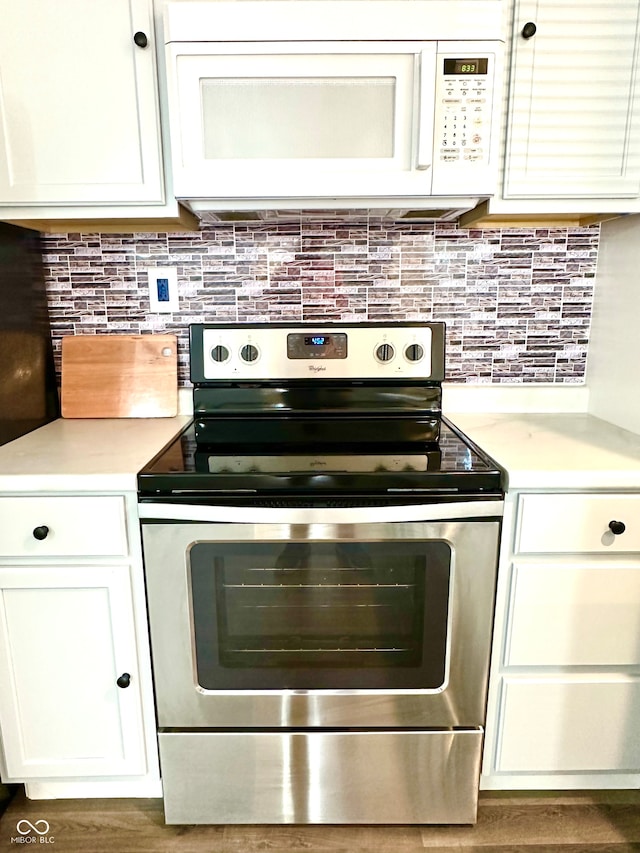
column 321, row 623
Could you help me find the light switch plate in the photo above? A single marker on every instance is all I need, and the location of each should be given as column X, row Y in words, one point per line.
column 163, row 290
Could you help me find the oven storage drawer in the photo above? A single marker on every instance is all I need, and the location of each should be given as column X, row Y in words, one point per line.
column 63, row 526
column 577, row 523
column 328, row 777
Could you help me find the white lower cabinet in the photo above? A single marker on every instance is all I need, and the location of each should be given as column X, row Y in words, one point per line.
column 577, row 523
column 564, row 724
column 574, row 614
column 67, row 642
column 76, row 702
column 564, row 692
column 69, row 526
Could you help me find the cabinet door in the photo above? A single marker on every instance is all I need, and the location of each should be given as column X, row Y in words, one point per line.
column 78, row 103
column 574, row 101
column 66, row 636
column 574, row 614
column 555, row 724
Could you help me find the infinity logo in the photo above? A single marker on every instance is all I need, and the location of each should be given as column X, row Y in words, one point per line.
column 24, row 827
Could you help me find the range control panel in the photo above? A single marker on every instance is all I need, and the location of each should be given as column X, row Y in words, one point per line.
column 340, row 351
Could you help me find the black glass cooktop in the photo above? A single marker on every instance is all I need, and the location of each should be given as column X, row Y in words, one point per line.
column 409, row 455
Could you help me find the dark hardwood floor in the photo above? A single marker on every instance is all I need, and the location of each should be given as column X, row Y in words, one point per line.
column 572, row 822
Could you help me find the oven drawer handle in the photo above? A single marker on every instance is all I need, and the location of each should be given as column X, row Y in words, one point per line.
column 124, row 680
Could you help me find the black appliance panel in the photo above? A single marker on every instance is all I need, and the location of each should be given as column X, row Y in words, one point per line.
column 28, row 390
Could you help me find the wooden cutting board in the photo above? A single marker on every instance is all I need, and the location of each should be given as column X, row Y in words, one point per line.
column 119, row 376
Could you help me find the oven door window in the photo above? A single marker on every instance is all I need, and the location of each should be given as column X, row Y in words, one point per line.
column 315, row 615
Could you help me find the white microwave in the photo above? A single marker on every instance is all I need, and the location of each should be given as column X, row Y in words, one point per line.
column 334, row 103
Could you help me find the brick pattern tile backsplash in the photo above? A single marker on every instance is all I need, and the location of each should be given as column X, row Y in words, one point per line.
column 517, row 303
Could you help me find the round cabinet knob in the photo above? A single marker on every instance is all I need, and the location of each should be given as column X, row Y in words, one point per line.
column 220, row 354
column 617, row 527
column 529, row 30
column 41, row 532
column 124, row 680
column 414, row 352
column 249, row 353
column 141, row 39
column 385, row 352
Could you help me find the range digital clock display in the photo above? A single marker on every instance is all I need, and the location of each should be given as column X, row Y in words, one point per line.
column 318, row 345
column 461, row 67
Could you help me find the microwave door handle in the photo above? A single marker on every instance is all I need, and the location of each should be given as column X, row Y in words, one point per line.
column 426, row 95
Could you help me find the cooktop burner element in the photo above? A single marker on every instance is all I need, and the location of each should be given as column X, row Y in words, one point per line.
column 315, row 410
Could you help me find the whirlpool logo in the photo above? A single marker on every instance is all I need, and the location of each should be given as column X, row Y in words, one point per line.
column 33, row 833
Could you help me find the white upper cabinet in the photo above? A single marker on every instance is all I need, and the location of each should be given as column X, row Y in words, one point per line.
column 574, row 101
column 79, row 121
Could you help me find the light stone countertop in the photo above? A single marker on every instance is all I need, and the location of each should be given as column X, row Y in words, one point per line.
column 85, row 454
column 556, row 451
column 539, row 451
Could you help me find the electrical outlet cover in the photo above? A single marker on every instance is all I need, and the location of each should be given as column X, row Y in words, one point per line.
column 163, row 290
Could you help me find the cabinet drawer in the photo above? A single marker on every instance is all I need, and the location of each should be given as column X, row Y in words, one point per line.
column 569, row 523
column 67, row 526
column 574, row 615
column 554, row 725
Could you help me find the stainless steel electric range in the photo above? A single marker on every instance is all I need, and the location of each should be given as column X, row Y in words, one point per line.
column 320, row 551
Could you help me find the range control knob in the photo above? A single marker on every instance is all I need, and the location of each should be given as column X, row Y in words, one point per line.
column 219, row 353
column 617, row 527
column 385, row 352
column 249, row 353
column 414, row 352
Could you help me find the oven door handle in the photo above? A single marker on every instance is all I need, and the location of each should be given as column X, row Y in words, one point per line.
column 445, row 511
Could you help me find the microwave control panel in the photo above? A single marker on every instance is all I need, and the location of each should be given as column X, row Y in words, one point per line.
column 464, row 134
column 466, row 115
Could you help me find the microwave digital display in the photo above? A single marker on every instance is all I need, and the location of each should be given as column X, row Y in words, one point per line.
column 466, row 66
